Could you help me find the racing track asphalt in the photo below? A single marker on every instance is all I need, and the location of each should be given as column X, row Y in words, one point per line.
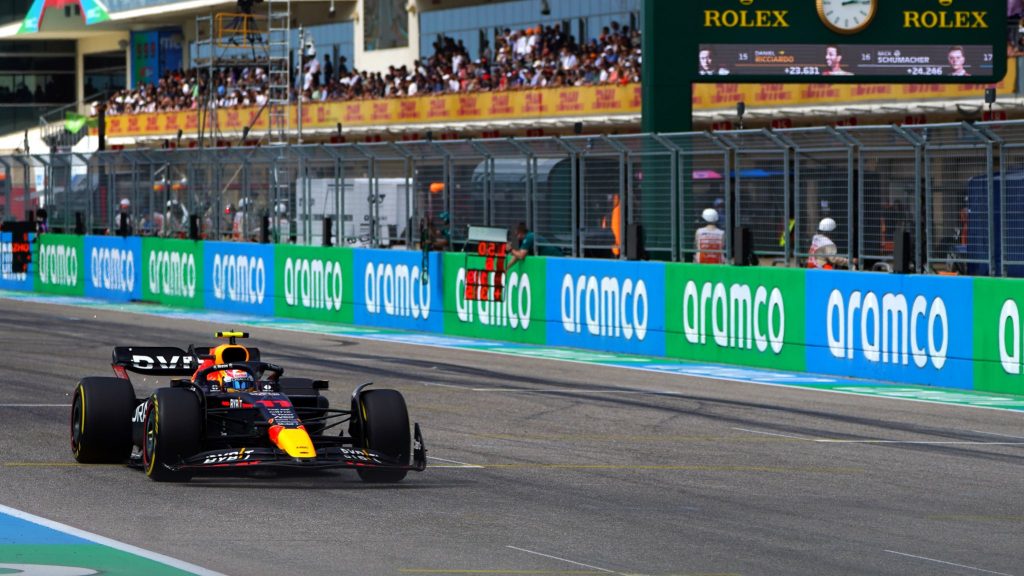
column 576, row 469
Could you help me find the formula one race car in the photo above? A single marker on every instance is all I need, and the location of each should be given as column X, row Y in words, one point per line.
column 225, row 416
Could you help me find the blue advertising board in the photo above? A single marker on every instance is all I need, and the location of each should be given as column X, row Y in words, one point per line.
column 390, row 290
column 239, row 277
column 113, row 267
column 9, row 280
column 602, row 305
column 914, row 329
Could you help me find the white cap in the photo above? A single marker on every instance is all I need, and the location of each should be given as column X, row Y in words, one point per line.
column 826, row 225
column 710, row 215
column 282, row 208
column 125, row 202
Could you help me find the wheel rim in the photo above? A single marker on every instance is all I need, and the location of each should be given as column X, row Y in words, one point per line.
column 149, row 446
column 77, row 416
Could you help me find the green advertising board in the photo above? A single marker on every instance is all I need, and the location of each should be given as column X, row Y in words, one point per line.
column 172, row 272
column 60, row 264
column 999, row 335
column 313, row 283
column 736, row 315
column 833, row 41
column 519, row 317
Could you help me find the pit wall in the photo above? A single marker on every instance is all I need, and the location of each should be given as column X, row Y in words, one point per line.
column 956, row 332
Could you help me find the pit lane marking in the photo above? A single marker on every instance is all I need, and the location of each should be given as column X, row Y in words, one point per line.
column 976, row 569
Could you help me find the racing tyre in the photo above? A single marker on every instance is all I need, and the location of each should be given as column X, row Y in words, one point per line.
column 173, row 430
column 385, row 423
column 101, row 420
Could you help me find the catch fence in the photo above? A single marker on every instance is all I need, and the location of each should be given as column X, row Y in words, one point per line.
column 945, row 198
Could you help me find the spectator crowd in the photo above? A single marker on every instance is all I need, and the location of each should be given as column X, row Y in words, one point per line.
column 538, row 57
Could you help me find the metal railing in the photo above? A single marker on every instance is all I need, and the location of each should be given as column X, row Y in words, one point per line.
column 957, row 190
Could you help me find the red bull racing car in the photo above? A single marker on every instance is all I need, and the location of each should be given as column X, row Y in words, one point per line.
column 227, row 410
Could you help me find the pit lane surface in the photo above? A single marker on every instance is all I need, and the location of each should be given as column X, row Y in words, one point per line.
column 537, row 467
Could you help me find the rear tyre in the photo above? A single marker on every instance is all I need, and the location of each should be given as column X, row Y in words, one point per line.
column 173, row 430
column 101, row 420
column 385, row 429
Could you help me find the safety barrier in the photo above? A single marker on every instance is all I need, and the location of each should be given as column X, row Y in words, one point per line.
column 951, row 332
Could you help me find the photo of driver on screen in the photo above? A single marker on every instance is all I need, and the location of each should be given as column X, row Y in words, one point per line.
column 706, row 64
column 957, row 61
column 834, row 61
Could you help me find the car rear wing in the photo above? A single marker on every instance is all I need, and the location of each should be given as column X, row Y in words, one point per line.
column 163, row 360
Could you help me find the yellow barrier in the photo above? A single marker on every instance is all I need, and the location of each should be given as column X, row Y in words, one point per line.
column 482, row 106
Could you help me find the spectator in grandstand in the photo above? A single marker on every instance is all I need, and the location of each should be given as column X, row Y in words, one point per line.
column 709, row 240
column 328, row 69
column 519, row 59
column 957, row 61
column 834, row 61
column 823, row 253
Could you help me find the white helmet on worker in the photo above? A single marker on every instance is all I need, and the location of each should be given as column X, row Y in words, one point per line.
column 826, row 225
column 125, row 202
column 710, row 215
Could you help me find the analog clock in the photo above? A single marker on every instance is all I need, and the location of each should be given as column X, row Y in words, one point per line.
column 847, row 16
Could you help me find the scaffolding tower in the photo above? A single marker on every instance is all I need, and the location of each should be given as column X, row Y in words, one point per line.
column 227, row 42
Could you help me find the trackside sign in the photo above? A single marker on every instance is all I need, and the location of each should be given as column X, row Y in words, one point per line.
column 890, row 327
column 10, row 280
column 749, row 316
column 113, row 267
column 240, row 277
column 519, row 317
column 173, row 272
column 999, row 335
column 60, row 264
column 313, row 283
column 398, row 289
column 613, row 306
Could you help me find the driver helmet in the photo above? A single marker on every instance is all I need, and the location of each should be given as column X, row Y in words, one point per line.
column 236, row 380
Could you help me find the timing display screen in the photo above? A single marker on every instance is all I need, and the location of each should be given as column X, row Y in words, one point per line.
column 737, row 60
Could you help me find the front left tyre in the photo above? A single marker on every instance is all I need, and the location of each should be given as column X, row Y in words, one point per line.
column 173, row 431
column 101, row 420
column 385, row 428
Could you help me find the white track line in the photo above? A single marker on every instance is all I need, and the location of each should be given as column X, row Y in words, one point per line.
column 104, row 541
column 35, row 405
column 772, row 434
column 997, row 434
column 460, row 464
column 575, row 391
column 565, row 560
column 948, row 563
column 870, row 441
column 982, row 443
